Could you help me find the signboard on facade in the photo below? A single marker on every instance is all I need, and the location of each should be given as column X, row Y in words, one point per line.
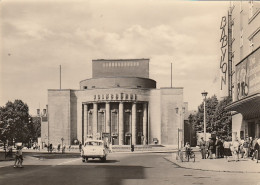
column 223, row 64
column 117, row 96
column 248, row 76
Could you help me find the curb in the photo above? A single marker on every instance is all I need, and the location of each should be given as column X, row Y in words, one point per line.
column 207, row 170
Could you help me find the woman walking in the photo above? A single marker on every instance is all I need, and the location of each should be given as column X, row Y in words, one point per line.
column 227, row 150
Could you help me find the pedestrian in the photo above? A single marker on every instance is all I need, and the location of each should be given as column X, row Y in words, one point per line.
column 227, row 150
column 80, row 146
column 18, row 157
column 211, row 148
column 187, row 149
column 256, row 149
column 246, row 148
column 58, row 148
column 251, row 147
column 51, row 148
column 218, row 147
column 236, row 145
column 63, row 148
column 202, row 145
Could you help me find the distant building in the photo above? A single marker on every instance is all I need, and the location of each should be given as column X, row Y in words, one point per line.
column 246, row 68
column 121, row 103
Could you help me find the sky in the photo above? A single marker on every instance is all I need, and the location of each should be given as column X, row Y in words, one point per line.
column 39, row 36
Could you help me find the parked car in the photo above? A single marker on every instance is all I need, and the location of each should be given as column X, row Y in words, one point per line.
column 94, row 149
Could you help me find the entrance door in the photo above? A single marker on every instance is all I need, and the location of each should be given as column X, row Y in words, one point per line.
column 127, row 127
column 127, row 140
column 114, row 127
column 251, row 129
column 90, row 122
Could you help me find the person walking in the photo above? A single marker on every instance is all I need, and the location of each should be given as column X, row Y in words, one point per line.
column 236, row 145
column 227, row 150
column 202, row 145
column 211, row 148
column 218, row 147
column 18, row 158
column 246, row 148
column 80, row 146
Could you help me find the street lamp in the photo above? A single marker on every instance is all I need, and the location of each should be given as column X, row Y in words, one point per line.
column 204, row 94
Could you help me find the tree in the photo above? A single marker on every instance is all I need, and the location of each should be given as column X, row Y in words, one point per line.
column 34, row 128
column 211, row 104
column 223, row 120
column 13, row 121
column 218, row 120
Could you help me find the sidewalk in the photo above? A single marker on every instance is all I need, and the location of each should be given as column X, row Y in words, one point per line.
column 218, row 165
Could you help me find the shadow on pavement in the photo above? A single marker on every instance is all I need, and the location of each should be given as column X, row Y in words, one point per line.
column 70, row 174
column 99, row 161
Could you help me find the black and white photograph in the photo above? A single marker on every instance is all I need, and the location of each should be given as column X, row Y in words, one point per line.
column 129, row 92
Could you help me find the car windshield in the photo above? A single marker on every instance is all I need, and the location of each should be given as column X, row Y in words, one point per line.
column 93, row 143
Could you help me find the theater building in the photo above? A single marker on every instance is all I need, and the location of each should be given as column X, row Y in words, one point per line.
column 246, row 78
column 120, row 103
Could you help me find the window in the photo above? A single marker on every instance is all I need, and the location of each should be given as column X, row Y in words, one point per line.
column 251, row 45
column 241, row 37
column 85, row 87
column 93, row 87
column 251, row 7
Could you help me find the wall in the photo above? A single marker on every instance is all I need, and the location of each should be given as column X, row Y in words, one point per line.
column 59, row 116
column 126, row 82
column 237, row 121
column 120, row 68
column 155, row 116
column 171, row 98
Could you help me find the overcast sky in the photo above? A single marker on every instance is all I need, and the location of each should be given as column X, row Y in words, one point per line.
column 38, row 36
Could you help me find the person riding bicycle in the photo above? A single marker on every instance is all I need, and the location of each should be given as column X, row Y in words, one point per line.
column 187, row 149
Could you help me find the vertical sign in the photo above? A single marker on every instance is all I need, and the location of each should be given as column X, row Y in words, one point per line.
column 224, row 57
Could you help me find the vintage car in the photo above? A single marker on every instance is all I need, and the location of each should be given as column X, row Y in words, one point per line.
column 94, row 149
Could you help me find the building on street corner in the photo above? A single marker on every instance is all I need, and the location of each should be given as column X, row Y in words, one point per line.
column 245, row 21
column 119, row 103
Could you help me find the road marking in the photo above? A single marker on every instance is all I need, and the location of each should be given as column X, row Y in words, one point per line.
column 66, row 162
column 5, row 166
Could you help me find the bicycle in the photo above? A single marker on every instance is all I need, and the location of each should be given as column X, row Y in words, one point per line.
column 190, row 155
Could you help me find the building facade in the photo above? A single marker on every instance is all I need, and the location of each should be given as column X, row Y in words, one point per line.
column 246, row 66
column 120, row 103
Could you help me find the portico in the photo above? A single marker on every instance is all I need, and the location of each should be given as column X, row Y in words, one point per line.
column 124, row 121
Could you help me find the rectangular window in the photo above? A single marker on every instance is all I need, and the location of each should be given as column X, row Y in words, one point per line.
column 251, row 45
column 251, row 7
column 85, row 87
column 241, row 37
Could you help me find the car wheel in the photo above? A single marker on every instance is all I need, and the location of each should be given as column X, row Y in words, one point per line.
column 83, row 160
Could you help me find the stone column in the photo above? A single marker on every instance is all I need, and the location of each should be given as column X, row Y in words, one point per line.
column 121, row 123
column 134, row 123
column 95, row 120
column 145, row 124
column 85, row 122
column 108, row 130
column 257, row 134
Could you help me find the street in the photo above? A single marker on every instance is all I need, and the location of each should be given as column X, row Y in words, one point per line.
column 119, row 169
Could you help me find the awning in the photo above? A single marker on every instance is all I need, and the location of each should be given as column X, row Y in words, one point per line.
column 249, row 107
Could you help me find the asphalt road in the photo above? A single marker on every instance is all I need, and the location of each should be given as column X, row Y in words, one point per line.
column 120, row 169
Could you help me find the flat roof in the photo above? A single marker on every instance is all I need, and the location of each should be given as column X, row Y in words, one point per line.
column 99, row 60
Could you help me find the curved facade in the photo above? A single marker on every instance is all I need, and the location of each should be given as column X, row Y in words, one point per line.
column 112, row 82
column 123, row 110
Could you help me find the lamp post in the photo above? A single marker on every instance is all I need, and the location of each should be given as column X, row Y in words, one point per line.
column 204, row 94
